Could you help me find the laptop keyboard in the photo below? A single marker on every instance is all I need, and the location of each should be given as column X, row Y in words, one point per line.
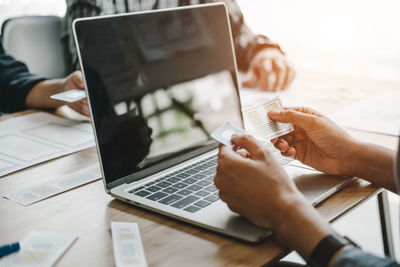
column 190, row 189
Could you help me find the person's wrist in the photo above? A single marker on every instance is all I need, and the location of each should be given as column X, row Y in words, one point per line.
column 289, row 204
column 350, row 163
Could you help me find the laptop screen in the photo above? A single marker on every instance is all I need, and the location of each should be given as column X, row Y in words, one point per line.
column 159, row 83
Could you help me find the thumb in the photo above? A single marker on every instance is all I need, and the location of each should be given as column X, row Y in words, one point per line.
column 301, row 119
column 250, row 144
column 78, row 79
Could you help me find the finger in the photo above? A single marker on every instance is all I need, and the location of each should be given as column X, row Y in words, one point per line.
column 250, row 144
column 251, row 79
column 266, row 71
column 227, row 158
column 306, row 110
column 273, row 141
column 291, row 152
column 282, row 145
column 78, row 79
column 280, row 72
column 290, row 74
column 303, row 120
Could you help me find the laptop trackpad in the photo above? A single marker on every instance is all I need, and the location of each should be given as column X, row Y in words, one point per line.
column 316, row 186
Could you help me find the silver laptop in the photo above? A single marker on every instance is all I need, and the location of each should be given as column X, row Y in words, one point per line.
column 159, row 83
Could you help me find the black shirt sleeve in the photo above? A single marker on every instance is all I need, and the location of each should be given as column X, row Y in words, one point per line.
column 15, row 82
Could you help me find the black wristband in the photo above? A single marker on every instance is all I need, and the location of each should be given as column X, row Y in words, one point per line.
column 326, row 249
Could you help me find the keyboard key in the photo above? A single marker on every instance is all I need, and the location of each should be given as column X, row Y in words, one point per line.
column 180, row 185
column 199, row 176
column 183, row 175
column 194, row 187
column 137, row 189
column 184, row 192
column 153, row 188
column 192, row 209
column 170, row 199
column 160, row 180
column 202, row 203
column 184, row 202
column 150, row 184
column 210, row 178
column 189, row 181
column 192, row 171
column 202, row 193
column 211, row 188
column 142, row 193
column 157, row 196
column 170, row 190
column 200, row 168
column 163, row 184
column 216, row 193
column 208, row 172
column 204, row 182
column 211, row 198
column 173, row 180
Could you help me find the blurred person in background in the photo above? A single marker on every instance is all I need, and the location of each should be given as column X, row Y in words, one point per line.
column 264, row 61
column 20, row 90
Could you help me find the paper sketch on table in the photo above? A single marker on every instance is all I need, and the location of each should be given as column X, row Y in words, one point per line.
column 34, row 138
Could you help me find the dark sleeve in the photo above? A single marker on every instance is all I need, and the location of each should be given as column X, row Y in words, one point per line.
column 15, row 83
column 76, row 9
column 355, row 257
column 247, row 44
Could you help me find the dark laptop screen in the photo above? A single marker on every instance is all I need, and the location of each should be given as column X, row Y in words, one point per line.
column 159, row 84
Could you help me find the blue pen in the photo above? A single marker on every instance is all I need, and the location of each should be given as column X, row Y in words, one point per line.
column 8, row 249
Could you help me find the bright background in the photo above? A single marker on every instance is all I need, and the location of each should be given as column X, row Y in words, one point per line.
column 339, row 42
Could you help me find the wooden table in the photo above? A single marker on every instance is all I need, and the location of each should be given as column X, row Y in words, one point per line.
column 88, row 211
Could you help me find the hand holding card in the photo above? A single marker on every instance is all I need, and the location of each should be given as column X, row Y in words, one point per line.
column 224, row 133
column 70, row 96
column 258, row 116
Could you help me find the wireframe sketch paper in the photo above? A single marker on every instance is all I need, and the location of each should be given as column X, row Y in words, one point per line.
column 34, row 138
column 40, row 249
column 127, row 244
column 32, row 194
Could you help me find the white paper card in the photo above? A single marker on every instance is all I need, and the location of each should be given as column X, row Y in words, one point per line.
column 70, row 95
column 258, row 116
column 39, row 249
column 34, row 138
column 32, row 194
column 128, row 248
column 224, row 133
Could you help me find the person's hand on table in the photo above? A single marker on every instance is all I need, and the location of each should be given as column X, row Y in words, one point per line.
column 268, row 63
column 316, row 140
column 75, row 81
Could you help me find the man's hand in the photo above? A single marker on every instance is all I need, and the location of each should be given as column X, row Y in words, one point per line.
column 75, row 81
column 315, row 141
column 255, row 186
column 271, row 70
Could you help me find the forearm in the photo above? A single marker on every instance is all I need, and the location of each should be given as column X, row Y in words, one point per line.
column 39, row 95
column 302, row 227
column 374, row 164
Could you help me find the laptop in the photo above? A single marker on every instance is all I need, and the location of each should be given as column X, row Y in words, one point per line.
column 158, row 84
